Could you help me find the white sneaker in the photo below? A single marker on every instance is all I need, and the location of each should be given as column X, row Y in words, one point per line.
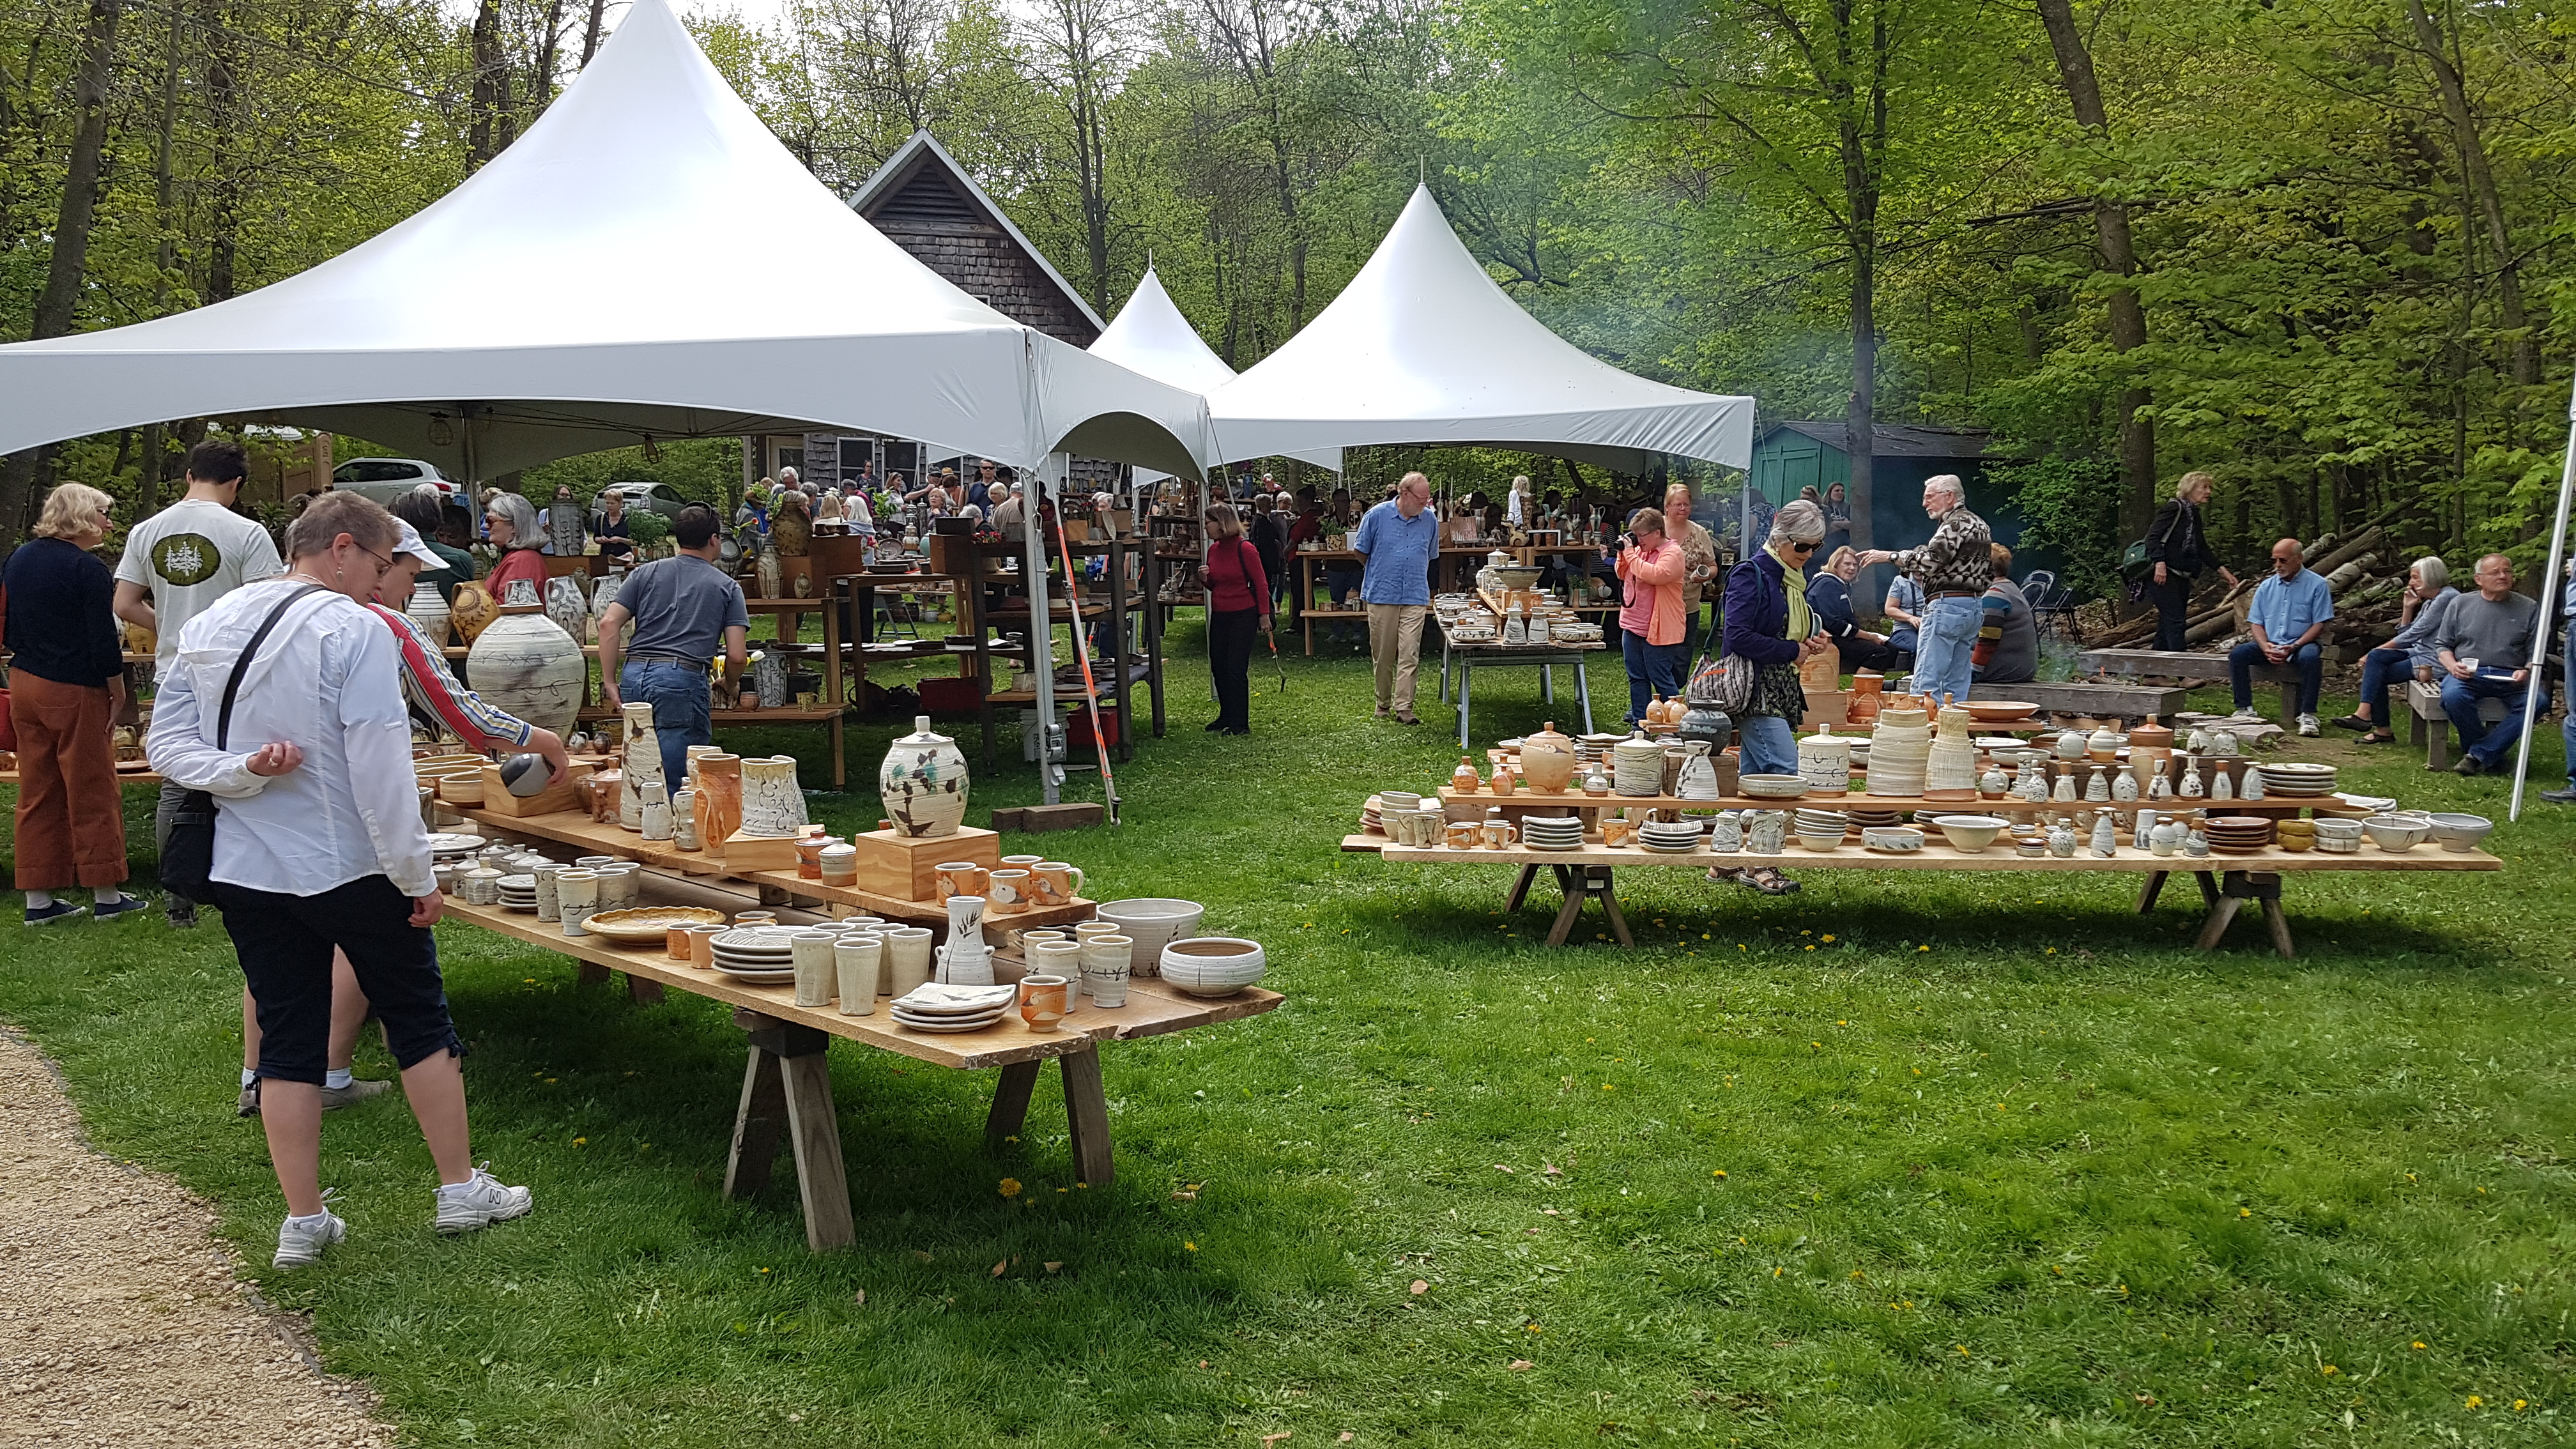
column 2308, row 724
column 479, row 1202
column 301, row 1247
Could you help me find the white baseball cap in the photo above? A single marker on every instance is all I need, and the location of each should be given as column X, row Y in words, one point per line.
column 408, row 541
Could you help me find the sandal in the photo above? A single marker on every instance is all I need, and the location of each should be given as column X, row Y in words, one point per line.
column 1768, row 881
column 2378, row 737
column 1724, row 874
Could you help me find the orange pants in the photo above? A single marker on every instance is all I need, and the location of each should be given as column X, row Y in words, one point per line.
column 71, row 812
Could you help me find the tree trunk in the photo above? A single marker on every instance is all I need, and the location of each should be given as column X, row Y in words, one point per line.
column 56, row 305
column 486, row 131
column 590, row 36
column 2482, row 190
column 224, row 114
column 541, row 92
column 2120, row 258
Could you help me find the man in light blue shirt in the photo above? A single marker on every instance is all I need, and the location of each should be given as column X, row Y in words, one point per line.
column 1398, row 539
column 2288, row 623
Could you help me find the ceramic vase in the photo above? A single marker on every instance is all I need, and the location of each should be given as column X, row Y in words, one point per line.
column 2167, row 837
column 966, row 960
column 523, row 663
column 2192, row 789
column 2253, row 787
column 769, row 679
column 1726, row 835
column 1547, row 760
column 765, row 572
column 2196, row 845
column 470, row 610
column 654, row 813
column 2097, row 785
column 2106, row 837
column 684, row 820
column 923, row 781
column 773, row 807
column 2124, row 786
column 1707, row 724
column 1770, row 831
column 640, row 765
column 603, row 594
column 428, row 610
column 2061, row 840
column 718, row 806
column 2064, row 790
column 2222, row 786
column 566, row 605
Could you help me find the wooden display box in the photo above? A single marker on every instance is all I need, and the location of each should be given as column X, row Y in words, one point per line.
column 900, row 865
column 952, row 553
column 566, row 796
column 836, row 555
column 1827, row 706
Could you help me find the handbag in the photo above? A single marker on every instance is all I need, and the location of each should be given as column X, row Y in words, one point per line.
column 1725, row 683
column 188, row 855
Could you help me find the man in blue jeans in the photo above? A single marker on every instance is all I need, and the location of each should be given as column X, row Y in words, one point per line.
column 1955, row 566
column 2287, row 623
column 683, row 608
column 2485, row 649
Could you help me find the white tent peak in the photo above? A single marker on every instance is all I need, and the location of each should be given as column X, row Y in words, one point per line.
column 1423, row 347
column 1149, row 335
column 646, row 259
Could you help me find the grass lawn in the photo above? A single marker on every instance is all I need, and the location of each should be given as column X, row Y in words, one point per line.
column 1902, row 1159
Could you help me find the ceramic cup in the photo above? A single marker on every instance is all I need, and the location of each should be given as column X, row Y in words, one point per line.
column 907, row 958
column 675, row 943
column 1497, row 834
column 1055, row 882
column 702, row 945
column 1027, row 941
column 859, row 960
column 594, row 862
column 839, row 864
column 1010, row 891
column 1463, row 835
column 861, row 925
column 1085, row 930
column 816, row 971
column 1060, row 958
column 577, row 895
column 1022, row 862
column 960, row 878
column 1043, row 1000
column 1106, row 961
column 630, row 887
column 749, row 919
column 548, row 908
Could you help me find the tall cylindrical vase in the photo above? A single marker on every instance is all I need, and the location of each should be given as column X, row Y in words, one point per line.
column 772, row 805
column 641, row 765
column 719, row 799
column 968, row 961
column 428, row 609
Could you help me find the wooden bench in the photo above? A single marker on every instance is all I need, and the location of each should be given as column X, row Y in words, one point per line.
column 2097, row 701
column 2168, row 664
column 2429, row 724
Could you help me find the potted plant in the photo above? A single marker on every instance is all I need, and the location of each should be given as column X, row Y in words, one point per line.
column 651, row 531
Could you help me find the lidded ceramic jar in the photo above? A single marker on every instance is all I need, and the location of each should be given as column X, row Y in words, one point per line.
column 1547, row 760
column 923, row 781
column 1824, row 761
column 2072, row 744
column 1637, row 765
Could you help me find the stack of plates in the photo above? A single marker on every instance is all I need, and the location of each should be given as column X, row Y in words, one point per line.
column 1552, row 832
column 519, row 892
column 757, row 955
column 1865, row 818
column 2238, row 834
column 933, row 1007
column 2298, row 781
column 445, row 846
column 1669, row 837
column 1590, row 750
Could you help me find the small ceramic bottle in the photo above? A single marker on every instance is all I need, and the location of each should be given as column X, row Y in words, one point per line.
column 1464, row 779
column 684, row 819
column 2167, row 838
column 2061, row 839
column 2106, row 839
column 2124, row 786
column 2098, row 788
column 2253, row 789
column 2158, row 787
column 1993, row 784
column 2220, row 786
column 2192, row 789
column 2196, row 845
column 2064, row 790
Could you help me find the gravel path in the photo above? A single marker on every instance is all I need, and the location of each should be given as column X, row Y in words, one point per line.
column 121, row 1321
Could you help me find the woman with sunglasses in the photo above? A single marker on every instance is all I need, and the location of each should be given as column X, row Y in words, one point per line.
column 1769, row 624
column 511, row 520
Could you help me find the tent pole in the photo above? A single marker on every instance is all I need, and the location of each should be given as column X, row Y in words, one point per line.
column 2551, row 588
column 1049, row 480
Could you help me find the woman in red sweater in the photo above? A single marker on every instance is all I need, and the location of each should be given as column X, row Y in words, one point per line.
column 1238, row 595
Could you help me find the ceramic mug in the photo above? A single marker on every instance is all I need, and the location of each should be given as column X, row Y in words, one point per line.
column 577, row 898
column 907, row 958
column 1043, row 1000
column 1061, row 958
column 1615, row 830
column 961, row 878
column 675, row 943
column 810, row 952
column 1022, row 862
column 1010, row 891
column 1463, row 835
column 1106, row 960
column 702, row 945
column 751, row 919
column 859, row 961
column 1497, row 833
column 1055, row 882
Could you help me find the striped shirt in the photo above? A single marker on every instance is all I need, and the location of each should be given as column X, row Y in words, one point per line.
column 434, row 691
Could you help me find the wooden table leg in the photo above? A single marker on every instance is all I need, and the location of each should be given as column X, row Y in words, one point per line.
column 1011, row 1101
column 1086, row 1112
column 787, row 1094
column 757, row 1125
column 643, row 990
column 2280, row 927
column 1573, row 886
column 2216, row 926
column 2154, row 887
column 2208, row 887
column 1520, row 888
column 1598, row 883
column 589, row 973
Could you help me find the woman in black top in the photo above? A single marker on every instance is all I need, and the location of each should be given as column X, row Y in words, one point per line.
column 66, row 680
column 616, row 537
column 1829, row 598
column 2180, row 551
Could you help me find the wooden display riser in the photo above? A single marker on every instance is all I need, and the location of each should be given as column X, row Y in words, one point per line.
column 2227, row 881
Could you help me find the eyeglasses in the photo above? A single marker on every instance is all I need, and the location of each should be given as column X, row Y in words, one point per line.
column 380, row 558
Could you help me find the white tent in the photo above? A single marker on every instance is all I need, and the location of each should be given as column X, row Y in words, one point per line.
column 1422, row 347
column 646, row 261
column 1152, row 337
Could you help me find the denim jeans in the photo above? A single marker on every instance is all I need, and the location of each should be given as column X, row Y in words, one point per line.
column 2309, row 660
column 1945, row 652
column 1767, row 745
column 2460, row 699
column 2380, row 669
column 1650, row 666
column 681, row 711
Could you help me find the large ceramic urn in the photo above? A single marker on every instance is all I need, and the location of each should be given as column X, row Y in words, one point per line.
column 524, row 663
column 1547, row 760
column 923, row 780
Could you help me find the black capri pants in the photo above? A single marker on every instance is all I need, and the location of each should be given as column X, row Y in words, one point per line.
column 284, row 944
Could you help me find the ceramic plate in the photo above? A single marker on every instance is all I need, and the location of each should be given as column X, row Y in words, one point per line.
column 933, row 998
column 646, row 923
column 445, row 843
column 948, row 1027
column 757, row 978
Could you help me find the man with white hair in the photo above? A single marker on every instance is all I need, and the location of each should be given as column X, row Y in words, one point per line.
column 1010, row 511
column 1954, row 565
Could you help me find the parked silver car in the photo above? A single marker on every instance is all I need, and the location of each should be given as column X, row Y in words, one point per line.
column 382, row 480
column 660, row 498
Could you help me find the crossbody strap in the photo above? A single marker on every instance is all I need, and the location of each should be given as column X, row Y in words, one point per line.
column 232, row 685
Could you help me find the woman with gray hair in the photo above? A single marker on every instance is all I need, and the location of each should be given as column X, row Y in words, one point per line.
column 511, row 520
column 2428, row 599
column 1769, row 624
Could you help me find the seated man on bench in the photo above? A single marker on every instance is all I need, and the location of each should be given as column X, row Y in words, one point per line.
column 2288, row 622
column 2408, row 655
column 2484, row 646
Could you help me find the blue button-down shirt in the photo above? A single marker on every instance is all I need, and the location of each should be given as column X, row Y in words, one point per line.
column 2287, row 608
column 1400, row 551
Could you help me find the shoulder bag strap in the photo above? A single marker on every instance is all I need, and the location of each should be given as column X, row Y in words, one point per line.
column 232, row 685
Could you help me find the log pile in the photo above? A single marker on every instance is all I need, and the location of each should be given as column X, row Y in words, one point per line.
column 2218, row 612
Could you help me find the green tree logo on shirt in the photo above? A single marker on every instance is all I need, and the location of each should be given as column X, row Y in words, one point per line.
column 186, row 558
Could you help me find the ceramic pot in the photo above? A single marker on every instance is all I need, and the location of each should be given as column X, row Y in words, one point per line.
column 2106, row 839
column 923, row 781
column 639, row 766
column 2072, row 744
column 524, row 664
column 859, row 962
column 429, row 610
column 773, row 808
column 1770, row 831
column 2061, row 840
column 769, row 679
column 1708, row 725
column 567, row 605
column 718, row 806
column 840, row 864
column 603, row 594
column 1547, row 760
column 1043, row 1001
column 470, row 610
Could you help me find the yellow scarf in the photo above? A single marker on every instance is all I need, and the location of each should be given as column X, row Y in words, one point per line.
column 1802, row 621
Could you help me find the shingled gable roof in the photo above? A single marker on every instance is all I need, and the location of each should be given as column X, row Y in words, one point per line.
column 908, row 187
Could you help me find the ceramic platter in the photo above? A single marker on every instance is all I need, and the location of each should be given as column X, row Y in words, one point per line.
column 446, row 843
column 647, row 923
column 946, row 1025
column 751, row 977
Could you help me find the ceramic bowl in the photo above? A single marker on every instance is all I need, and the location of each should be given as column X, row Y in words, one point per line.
column 1772, row 787
column 1821, row 843
column 2392, row 834
column 2460, row 834
column 1152, row 923
column 1970, row 833
column 1212, row 965
column 1894, row 838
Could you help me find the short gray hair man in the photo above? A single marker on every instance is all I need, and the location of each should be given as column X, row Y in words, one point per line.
column 1946, row 483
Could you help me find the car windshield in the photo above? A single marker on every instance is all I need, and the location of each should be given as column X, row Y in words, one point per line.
column 375, row 470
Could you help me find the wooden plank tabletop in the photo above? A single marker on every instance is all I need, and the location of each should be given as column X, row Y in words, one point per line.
column 2126, row 701
column 1526, row 800
column 1152, row 1009
column 1938, row 855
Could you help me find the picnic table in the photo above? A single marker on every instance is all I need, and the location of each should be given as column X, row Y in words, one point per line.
column 787, row 1088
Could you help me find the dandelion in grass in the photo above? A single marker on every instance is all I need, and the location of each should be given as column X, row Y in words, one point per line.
column 1190, row 1247
column 2475, row 1402
column 1010, row 1187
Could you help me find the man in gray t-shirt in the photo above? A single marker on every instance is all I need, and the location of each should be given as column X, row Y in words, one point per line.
column 683, row 608
column 2484, row 647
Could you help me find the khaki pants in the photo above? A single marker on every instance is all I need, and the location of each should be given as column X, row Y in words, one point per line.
column 71, row 814
column 1395, row 644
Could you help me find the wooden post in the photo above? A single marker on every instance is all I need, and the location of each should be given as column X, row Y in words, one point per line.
column 1010, row 1101
column 1086, row 1110
column 787, row 1093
